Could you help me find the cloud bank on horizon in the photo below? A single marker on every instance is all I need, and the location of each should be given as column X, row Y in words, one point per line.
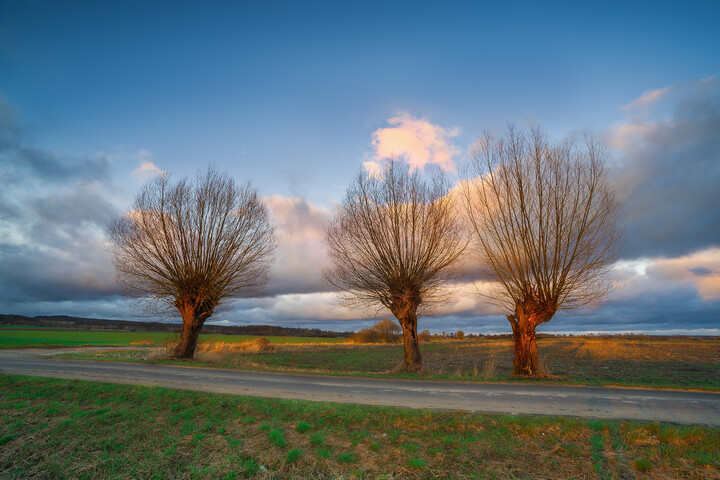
column 666, row 169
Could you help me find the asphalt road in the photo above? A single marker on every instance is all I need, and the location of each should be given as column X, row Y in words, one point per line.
column 681, row 407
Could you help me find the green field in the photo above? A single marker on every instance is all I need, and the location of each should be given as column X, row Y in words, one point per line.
column 54, row 429
column 18, row 336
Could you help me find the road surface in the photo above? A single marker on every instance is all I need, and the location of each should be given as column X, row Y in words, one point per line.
column 683, row 407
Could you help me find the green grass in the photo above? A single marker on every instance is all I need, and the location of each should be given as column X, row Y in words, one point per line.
column 12, row 336
column 302, row 426
column 55, row 428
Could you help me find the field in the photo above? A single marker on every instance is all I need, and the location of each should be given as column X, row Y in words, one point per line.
column 668, row 363
column 19, row 336
column 54, row 428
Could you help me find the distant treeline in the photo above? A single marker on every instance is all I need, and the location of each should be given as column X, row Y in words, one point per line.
column 63, row 321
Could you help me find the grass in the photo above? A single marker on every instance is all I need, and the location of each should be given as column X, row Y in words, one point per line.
column 684, row 364
column 55, row 428
column 13, row 336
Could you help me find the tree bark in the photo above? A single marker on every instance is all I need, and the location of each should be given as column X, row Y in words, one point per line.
column 526, row 353
column 405, row 310
column 193, row 318
column 411, row 355
column 528, row 315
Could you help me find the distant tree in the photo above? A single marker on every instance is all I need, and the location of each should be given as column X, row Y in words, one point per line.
column 544, row 222
column 385, row 331
column 425, row 335
column 392, row 243
column 192, row 246
column 460, row 335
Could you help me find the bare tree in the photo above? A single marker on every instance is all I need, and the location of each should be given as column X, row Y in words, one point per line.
column 544, row 220
column 193, row 246
column 392, row 243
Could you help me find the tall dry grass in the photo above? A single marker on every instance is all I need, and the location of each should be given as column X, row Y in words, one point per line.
column 218, row 352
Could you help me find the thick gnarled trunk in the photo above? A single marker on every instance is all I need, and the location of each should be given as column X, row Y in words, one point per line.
column 405, row 310
column 193, row 316
column 528, row 315
column 411, row 355
column 526, row 353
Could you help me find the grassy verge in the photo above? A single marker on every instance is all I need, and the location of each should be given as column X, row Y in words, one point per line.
column 690, row 364
column 54, row 428
column 14, row 337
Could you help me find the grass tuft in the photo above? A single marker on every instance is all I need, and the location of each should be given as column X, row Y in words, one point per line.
column 293, row 455
column 643, row 465
column 302, row 426
column 277, row 437
column 347, row 458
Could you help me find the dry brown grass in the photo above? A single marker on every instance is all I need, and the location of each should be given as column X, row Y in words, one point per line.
column 218, row 352
column 639, row 350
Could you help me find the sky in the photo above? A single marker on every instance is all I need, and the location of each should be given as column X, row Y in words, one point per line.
column 97, row 98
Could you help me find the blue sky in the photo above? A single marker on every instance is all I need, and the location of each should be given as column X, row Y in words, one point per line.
column 297, row 96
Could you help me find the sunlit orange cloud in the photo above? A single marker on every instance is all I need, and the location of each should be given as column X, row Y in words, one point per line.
column 414, row 140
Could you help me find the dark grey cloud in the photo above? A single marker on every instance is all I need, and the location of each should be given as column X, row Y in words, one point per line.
column 701, row 271
column 52, row 167
column 670, row 170
column 53, row 249
column 23, row 162
column 53, row 214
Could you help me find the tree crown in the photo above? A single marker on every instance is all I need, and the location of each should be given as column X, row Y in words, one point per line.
column 395, row 236
column 544, row 217
column 193, row 242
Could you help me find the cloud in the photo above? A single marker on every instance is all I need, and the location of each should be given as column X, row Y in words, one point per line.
column 54, row 214
column 22, row 163
column 373, row 168
column 668, row 170
column 54, row 249
column 701, row 269
column 147, row 170
column 301, row 255
column 417, row 141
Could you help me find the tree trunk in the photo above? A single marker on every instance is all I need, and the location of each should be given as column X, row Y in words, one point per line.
column 405, row 310
column 411, row 345
column 193, row 318
column 526, row 352
column 528, row 315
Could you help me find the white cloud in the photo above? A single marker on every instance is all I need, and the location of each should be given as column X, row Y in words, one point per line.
column 647, row 99
column 414, row 140
column 374, row 168
column 301, row 255
column 147, row 170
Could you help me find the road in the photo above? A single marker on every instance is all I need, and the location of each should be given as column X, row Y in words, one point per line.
column 682, row 407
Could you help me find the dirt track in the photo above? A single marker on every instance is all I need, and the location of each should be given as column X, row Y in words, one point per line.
column 590, row 402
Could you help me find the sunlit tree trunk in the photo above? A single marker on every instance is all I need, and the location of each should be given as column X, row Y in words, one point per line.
column 406, row 313
column 193, row 316
column 528, row 315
